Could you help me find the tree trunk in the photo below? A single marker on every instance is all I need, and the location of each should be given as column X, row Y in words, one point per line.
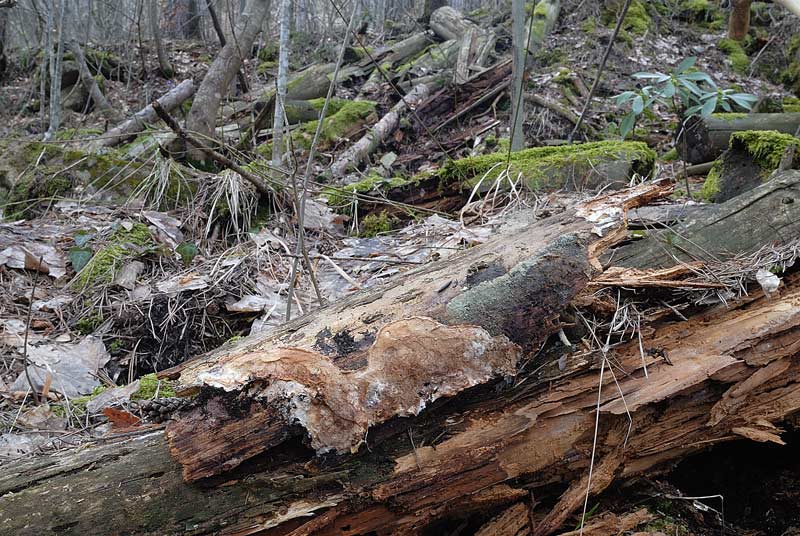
column 202, row 116
column 243, row 85
column 355, row 155
column 518, row 72
column 55, row 75
column 739, row 22
column 164, row 66
column 729, row 372
column 707, row 138
column 98, row 99
column 278, row 123
column 136, row 124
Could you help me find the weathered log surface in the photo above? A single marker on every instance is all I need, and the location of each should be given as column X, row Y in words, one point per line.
column 707, row 138
column 766, row 215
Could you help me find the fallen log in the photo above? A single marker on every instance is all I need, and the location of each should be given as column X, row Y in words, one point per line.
column 734, row 373
column 707, row 138
column 136, row 124
column 354, row 156
column 767, row 215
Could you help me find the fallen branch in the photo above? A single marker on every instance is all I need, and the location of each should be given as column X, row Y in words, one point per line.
column 136, row 124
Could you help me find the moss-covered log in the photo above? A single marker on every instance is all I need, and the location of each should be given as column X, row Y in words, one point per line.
column 573, row 167
column 750, row 160
column 707, row 138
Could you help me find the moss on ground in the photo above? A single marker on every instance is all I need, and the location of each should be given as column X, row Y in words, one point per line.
column 637, row 19
column 123, row 245
column 670, row 155
column 333, row 106
column 376, row 224
column 732, row 116
column 736, row 54
column 791, row 105
column 545, row 167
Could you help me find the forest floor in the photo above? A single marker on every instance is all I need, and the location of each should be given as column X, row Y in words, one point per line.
column 107, row 274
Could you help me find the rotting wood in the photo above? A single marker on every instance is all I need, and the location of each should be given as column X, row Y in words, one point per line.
column 513, row 521
column 533, row 436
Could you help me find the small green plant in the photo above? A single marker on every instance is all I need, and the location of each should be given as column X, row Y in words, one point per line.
column 684, row 88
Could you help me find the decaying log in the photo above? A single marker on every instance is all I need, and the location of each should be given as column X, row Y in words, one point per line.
column 136, row 124
column 766, row 215
column 450, row 25
column 354, row 155
column 707, row 138
column 732, row 371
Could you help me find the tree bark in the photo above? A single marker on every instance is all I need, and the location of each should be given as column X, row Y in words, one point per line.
column 707, row 138
column 55, row 74
column 278, row 123
column 729, row 372
column 518, row 71
column 202, row 116
column 164, row 66
column 355, row 155
column 243, row 85
column 739, row 22
column 98, row 99
column 136, row 124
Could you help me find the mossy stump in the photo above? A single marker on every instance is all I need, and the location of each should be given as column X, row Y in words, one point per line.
column 748, row 162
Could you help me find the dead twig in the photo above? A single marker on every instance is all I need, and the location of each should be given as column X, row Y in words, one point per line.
column 25, row 362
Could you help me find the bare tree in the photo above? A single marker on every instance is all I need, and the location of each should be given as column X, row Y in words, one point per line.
column 55, row 73
column 280, row 98
column 202, row 116
column 164, row 66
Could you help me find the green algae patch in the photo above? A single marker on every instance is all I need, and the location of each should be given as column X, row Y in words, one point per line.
column 735, row 52
column 565, row 166
column 123, row 245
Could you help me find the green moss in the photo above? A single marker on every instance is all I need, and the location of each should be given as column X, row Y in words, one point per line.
column 87, row 324
column 57, row 185
column 122, row 245
column 373, row 225
column 265, row 67
column 546, row 167
column 729, row 117
column 333, row 106
column 149, row 385
column 335, row 126
column 269, row 52
column 791, row 105
column 711, row 186
column 637, row 19
column 589, row 26
column 766, row 147
column 341, row 197
column 736, row 54
column 670, row 155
